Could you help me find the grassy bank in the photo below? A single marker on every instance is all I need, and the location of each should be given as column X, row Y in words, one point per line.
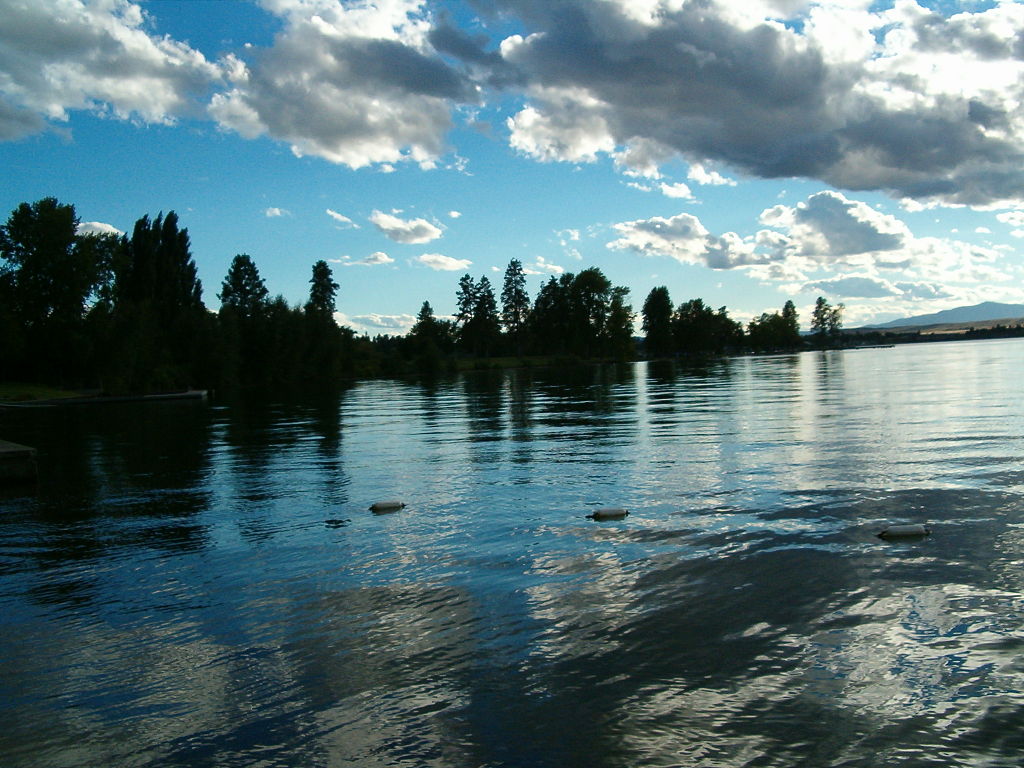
column 14, row 392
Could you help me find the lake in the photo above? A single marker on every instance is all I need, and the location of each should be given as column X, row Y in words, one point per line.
column 204, row 585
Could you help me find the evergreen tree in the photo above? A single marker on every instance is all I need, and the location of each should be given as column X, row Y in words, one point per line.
column 515, row 303
column 791, row 321
column 429, row 340
column 619, row 328
column 245, row 326
column 328, row 345
column 243, row 290
column 485, row 322
column 476, row 317
column 657, row 322
column 322, row 291
column 465, row 300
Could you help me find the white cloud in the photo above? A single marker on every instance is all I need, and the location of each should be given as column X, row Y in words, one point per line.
column 852, row 286
column 679, row 191
column 454, row 214
column 921, row 104
column 568, row 132
column 341, row 218
column 97, row 228
column 829, row 226
column 827, row 243
column 905, row 100
column 273, row 213
column 643, row 157
column 699, row 174
column 96, row 56
column 374, row 324
column 356, row 84
column 378, row 257
column 684, row 238
column 442, row 263
column 541, row 266
column 566, row 236
column 405, row 230
column 1013, row 218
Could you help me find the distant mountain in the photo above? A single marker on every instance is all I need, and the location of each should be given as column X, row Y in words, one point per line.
column 987, row 310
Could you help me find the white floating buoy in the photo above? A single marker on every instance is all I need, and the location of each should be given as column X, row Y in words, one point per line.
column 387, row 506
column 905, row 531
column 608, row 513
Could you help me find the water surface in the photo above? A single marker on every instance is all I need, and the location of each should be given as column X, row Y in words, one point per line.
column 196, row 585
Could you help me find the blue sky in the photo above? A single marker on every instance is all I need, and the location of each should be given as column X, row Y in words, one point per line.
column 742, row 151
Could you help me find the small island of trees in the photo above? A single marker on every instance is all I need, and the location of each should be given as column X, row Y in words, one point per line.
column 125, row 314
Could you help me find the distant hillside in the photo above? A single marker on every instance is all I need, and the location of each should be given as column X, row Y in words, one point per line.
column 986, row 311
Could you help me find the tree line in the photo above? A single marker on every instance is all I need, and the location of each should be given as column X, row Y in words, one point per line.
column 125, row 314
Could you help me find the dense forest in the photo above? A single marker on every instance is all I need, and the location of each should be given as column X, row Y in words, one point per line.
column 125, row 314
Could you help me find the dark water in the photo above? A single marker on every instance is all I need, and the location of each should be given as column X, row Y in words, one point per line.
column 204, row 586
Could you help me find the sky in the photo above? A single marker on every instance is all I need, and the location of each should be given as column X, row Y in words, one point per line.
column 745, row 152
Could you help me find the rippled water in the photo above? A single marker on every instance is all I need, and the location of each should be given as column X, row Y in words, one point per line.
column 195, row 585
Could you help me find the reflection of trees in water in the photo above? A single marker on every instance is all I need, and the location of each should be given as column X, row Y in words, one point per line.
column 591, row 405
column 276, row 452
column 484, row 397
column 115, row 480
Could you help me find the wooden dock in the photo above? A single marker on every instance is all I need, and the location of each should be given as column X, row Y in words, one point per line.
column 17, row 463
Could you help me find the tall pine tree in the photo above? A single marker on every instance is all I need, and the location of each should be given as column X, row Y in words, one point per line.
column 515, row 304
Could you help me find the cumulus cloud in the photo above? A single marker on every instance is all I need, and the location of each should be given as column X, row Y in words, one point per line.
column 859, row 286
column 1013, row 218
column 685, row 239
column 679, row 191
column 97, row 228
column 921, row 104
column 341, row 218
column 377, row 258
column 454, row 214
column 373, row 323
column 356, row 84
column 273, row 213
column 699, row 174
column 405, row 230
column 56, row 57
column 906, row 100
column 924, row 291
column 442, row 263
column 542, row 266
column 828, row 226
column 802, row 247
